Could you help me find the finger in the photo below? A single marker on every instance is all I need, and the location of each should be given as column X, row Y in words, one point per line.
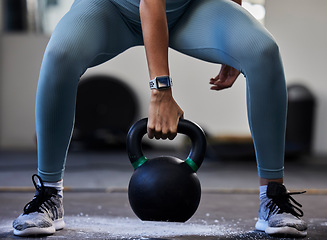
column 157, row 135
column 219, row 83
column 157, row 131
column 214, row 82
column 150, row 133
column 222, row 85
column 150, row 129
column 173, row 129
column 217, row 88
column 164, row 133
column 164, row 136
column 171, row 136
column 213, row 79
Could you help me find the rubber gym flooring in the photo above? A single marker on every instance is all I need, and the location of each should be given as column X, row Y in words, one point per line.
column 97, row 207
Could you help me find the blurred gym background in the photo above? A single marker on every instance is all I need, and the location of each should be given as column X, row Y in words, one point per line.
column 109, row 101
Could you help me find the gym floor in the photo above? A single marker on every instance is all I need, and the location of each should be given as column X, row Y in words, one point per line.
column 97, row 207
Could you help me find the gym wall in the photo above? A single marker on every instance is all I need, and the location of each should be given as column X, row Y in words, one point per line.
column 296, row 24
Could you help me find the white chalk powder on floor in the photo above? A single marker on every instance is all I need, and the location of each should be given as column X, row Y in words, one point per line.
column 135, row 228
column 83, row 226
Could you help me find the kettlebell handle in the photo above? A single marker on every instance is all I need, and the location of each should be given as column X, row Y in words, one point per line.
column 187, row 127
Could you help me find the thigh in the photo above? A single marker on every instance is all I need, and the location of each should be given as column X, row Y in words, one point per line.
column 218, row 31
column 91, row 32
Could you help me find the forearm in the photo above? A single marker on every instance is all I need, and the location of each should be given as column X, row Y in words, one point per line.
column 155, row 36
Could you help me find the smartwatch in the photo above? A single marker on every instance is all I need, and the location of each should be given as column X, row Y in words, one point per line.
column 162, row 82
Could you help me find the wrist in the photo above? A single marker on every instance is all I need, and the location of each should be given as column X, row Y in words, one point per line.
column 161, row 95
column 161, row 82
column 163, row 92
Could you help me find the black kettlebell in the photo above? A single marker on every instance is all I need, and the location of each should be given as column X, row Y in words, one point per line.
column 165, row 188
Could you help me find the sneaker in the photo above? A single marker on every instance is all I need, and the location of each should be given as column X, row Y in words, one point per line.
column 43, row 215
column 277, row 214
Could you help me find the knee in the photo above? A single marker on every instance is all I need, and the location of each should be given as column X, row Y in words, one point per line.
column 263, row 66
column 268, row 50
column 60, row 69
column 59, row 57
column 262, row 57
column 265, row 50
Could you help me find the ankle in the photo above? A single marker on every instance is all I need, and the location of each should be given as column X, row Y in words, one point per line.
column 59, row 186
column 265, row 181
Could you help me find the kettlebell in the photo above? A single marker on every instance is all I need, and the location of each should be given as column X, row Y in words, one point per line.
column 165, row 188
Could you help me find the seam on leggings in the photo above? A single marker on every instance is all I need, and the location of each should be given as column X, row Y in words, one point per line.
column 271, row 170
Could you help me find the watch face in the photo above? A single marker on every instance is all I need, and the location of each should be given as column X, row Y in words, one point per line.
column 163, row 82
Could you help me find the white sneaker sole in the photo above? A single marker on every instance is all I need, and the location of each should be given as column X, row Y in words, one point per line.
column 285, row 231
column 57, row 225
column 262, row 225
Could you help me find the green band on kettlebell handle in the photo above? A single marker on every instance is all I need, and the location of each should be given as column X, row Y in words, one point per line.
column 139, row 162
column 192, row 164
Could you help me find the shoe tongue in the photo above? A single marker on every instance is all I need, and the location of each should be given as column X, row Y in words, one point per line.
column 47, row 191
column 275, row 189
column 50, row 190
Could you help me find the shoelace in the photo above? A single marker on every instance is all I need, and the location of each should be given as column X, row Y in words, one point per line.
column 283, row 204
column 43, row 194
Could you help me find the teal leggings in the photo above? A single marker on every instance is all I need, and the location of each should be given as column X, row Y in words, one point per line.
column 218, row 31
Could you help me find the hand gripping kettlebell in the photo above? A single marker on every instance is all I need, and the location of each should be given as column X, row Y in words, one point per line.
column 165, row 188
